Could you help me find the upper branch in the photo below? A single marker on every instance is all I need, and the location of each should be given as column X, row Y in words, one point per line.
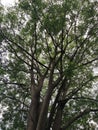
column 20, row 47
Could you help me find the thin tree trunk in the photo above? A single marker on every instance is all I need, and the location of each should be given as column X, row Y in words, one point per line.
column 58, row 119
column 43, row 113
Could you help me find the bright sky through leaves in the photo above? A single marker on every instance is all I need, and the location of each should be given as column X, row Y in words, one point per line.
column 8, row 2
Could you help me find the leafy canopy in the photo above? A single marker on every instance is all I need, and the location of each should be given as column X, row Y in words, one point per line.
column 58, row 38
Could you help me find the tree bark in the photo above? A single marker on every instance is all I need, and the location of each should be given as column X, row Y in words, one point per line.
column 58, row 119
column 33, row 112
column 44, row 111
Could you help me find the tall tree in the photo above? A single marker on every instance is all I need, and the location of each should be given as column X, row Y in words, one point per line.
column 48, row 51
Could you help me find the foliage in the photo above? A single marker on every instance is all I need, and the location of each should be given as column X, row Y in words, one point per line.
column 51, row 46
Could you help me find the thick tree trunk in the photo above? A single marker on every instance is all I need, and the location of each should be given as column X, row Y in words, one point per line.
column 33, row 113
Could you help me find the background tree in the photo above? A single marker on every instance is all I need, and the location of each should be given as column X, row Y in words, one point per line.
column 48, row 50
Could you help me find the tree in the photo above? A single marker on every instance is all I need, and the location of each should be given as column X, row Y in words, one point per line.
column 50, row 50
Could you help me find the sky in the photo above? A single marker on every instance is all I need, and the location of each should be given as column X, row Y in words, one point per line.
column 8, row 2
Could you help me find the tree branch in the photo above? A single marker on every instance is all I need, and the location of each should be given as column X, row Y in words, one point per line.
column 14, row 98
column 85, row 98
column 78, row 116
column 12, row 41
column 18, row 56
